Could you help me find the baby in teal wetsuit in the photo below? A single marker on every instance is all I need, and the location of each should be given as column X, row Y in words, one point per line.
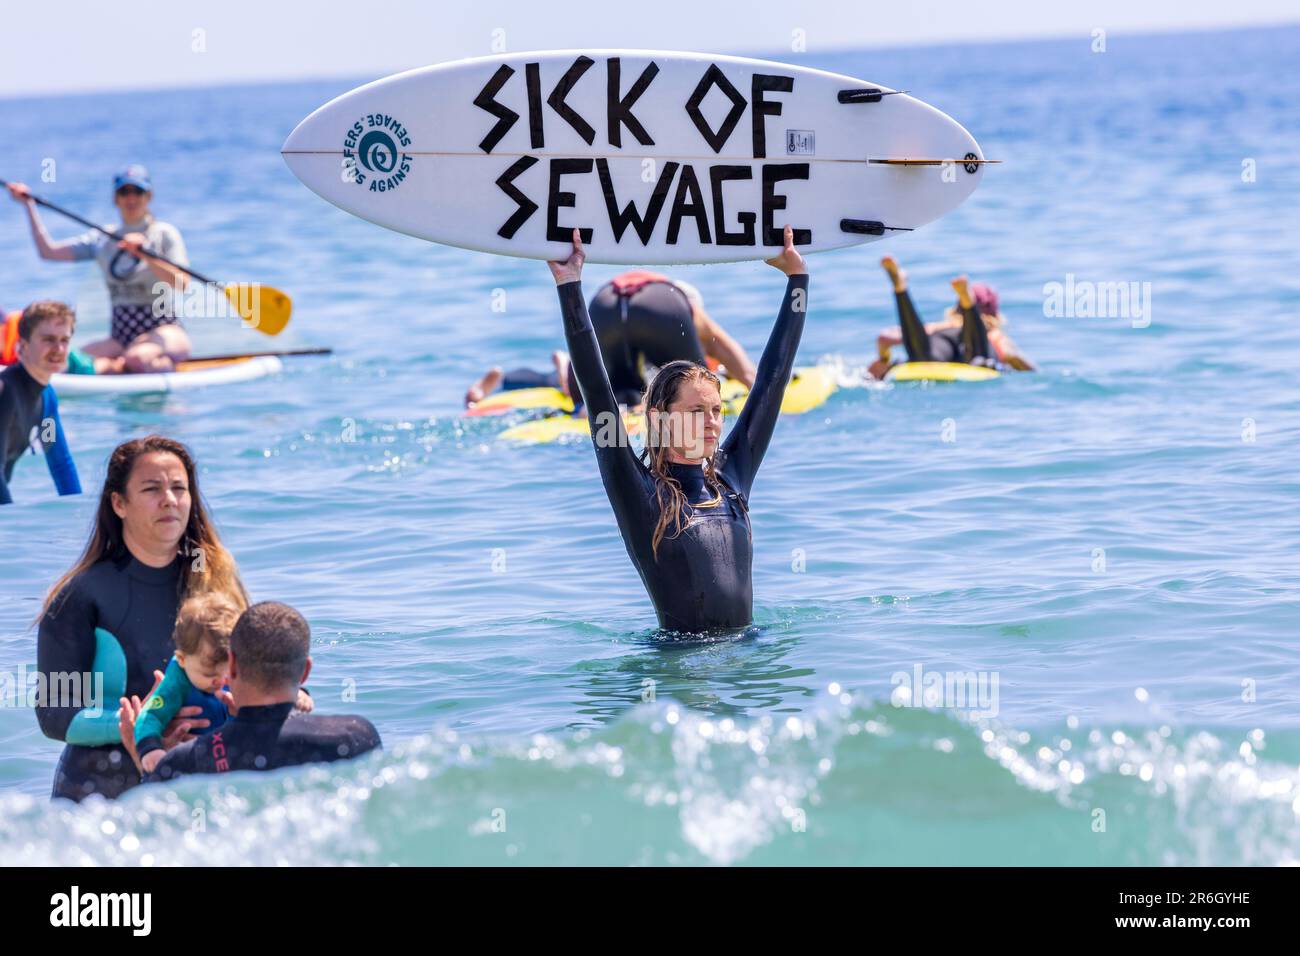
column 193, row 676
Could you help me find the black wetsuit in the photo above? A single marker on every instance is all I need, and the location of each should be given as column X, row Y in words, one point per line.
column 968, row 345
column 114, row 619
column 654, row 325
column 266, row 738
column 529, row 378
column 25, row 407
column 702, row 578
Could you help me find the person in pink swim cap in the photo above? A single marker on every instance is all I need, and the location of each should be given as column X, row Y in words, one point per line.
column 971, row 332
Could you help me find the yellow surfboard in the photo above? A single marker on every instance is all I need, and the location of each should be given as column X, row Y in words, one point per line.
column 543, row 431
column 809, row 388
column 940, row 372
column 523, row 399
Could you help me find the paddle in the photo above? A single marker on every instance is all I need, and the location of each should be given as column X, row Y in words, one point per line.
column 261, row 306
column 236, row 356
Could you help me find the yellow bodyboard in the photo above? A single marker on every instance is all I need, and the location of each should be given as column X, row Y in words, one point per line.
column 940, row 372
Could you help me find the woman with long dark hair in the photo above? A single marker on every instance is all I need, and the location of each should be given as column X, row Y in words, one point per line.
column 684, row 510
column 106, row 624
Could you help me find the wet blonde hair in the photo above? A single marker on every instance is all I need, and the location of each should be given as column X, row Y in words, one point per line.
column 659, row 394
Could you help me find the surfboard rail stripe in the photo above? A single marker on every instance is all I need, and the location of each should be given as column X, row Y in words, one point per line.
column 739, row 158
column 931, row 162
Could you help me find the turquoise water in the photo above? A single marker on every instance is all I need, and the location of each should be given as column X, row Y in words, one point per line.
column 1113, row 539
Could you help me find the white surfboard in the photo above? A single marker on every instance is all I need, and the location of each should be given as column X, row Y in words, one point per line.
column 198, row 374
column 658, row 157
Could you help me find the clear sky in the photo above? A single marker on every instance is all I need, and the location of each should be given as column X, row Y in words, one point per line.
column 89, row 45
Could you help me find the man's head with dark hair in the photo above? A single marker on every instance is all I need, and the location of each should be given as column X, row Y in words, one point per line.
column 270, row 645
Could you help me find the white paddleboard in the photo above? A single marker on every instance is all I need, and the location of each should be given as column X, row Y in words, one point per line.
column 202, row 376
column 658, row 157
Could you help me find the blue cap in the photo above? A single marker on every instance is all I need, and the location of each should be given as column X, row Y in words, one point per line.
column 135, row 175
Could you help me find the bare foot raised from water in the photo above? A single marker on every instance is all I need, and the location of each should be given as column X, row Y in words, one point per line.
column 483, row 387
column 896, row 275
column 961, row 286
column 560, row 360
column 878, row 368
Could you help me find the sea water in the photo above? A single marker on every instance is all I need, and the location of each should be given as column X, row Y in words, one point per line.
column 1047, row 619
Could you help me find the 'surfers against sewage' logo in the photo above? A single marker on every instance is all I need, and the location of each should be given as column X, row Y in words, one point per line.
column 374, row 153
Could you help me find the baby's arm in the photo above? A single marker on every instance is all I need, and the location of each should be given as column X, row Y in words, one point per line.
column 159, row 709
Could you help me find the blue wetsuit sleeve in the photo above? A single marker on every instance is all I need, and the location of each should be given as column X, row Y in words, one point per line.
column 69, row 650
column 160, row 707
column 619, row 468
column 745, row 447
column 58, row 457
column 97, row 723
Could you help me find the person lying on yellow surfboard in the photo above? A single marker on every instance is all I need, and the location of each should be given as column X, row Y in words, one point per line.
column 643, row 320
column 973, row 332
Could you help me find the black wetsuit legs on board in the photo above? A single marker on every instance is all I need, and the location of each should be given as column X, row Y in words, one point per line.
column 969, row 344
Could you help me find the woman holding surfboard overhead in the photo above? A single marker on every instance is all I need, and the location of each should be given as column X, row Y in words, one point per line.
column 972, row 333
column 684, row 511
column 141, row 337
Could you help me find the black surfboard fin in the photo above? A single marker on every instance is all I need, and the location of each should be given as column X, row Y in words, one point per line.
column 865, row 96
column 869, row 227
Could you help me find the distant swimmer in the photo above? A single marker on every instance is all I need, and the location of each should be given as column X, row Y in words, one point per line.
column 497, row 378
column 29, row 409
column 144, row 333
column 973, row 332
column 683, row 505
